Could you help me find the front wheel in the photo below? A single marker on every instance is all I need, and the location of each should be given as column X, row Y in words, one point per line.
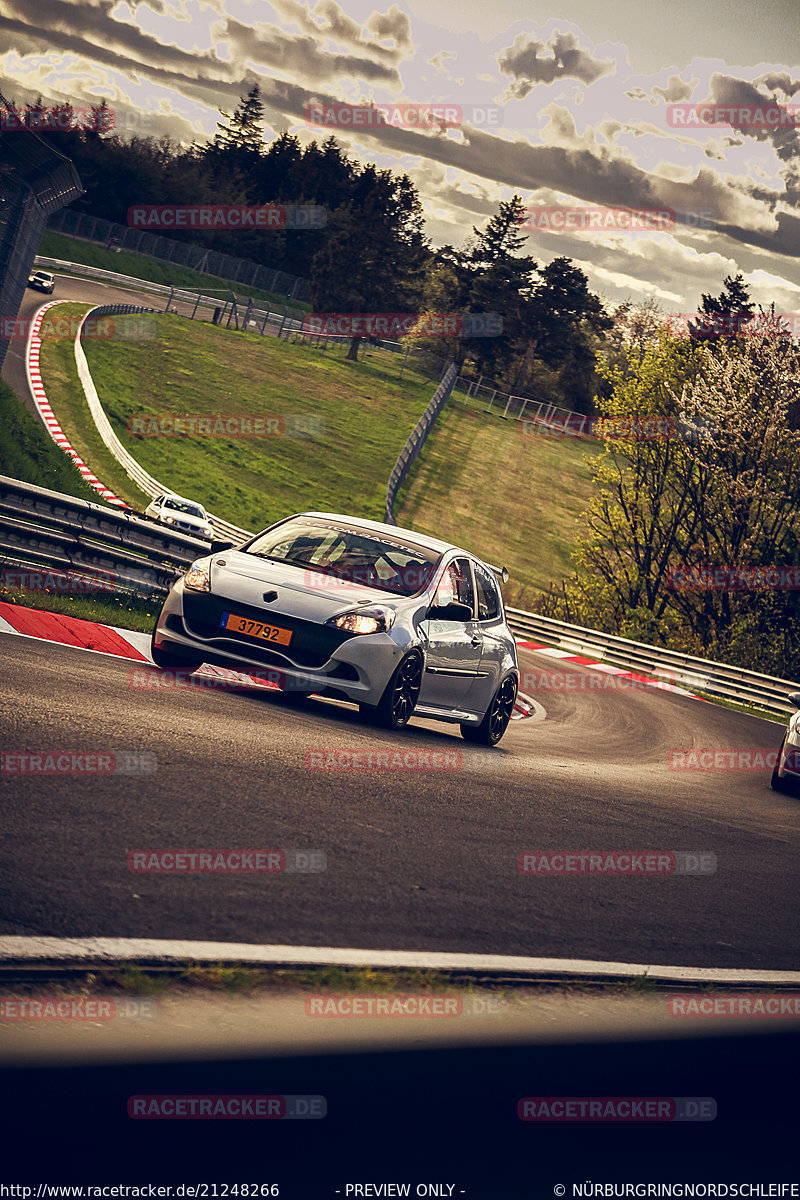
column 497, row 716
column 400, row 696
column 169, row 660
column 776, row 783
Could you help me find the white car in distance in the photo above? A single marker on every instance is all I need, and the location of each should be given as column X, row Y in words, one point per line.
column 177, row 512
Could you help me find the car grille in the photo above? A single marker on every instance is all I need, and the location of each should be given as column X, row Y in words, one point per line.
column 311, row 644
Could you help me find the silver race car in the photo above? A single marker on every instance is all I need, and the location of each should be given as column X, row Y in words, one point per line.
column 330, row 605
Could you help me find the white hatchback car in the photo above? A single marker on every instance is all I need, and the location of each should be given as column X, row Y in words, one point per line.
column 180, row 513
column 397, row 622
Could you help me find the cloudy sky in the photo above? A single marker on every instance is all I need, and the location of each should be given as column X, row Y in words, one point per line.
column 568, row 111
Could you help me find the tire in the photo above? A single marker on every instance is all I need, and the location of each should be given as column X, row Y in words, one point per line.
column 496, row 717
column 396, row 705
column 168, row 660
column 776, row 783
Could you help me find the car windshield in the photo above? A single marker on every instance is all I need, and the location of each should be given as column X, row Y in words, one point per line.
column 184, row 506
column 353, row 555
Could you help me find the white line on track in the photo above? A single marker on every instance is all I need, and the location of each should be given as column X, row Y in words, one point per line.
column 71, row 951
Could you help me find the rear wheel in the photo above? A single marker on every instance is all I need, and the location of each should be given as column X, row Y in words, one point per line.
column 170, row 660
column 399, row 699
column 497, row 716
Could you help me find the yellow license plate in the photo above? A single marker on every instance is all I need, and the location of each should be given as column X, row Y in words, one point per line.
column 256, row 629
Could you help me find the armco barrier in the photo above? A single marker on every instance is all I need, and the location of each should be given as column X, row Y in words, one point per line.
column 700, row 674
column 40, row 528
column 416, row 440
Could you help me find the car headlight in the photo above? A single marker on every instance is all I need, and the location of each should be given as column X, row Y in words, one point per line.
column 168, row 520
column 208, row 531
column 198, row 577
column 364, row 620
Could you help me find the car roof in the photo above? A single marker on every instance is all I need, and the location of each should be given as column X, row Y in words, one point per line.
column 409, row 535
column 185, row 499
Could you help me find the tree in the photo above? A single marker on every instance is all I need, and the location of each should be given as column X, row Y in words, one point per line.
column 242, row 131
column 374, row 252
column 560, row 317
column 720, row 488
column 725, row 315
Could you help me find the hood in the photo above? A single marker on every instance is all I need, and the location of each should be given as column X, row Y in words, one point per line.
column 302, row 592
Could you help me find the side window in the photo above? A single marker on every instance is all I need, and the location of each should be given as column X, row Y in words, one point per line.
column 488, row 597
column 456, row 584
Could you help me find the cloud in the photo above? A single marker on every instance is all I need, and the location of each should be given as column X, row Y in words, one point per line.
column 393, row 24
column 779, row 81
column 564, row 58
column 676, row 89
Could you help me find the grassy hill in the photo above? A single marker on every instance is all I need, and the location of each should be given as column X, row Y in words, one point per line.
column 515, row 501
column 365, row 411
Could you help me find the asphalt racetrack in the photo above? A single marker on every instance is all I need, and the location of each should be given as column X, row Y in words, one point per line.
column 416, row 859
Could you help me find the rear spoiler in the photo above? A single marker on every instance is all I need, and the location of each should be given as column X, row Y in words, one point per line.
column 500, row 572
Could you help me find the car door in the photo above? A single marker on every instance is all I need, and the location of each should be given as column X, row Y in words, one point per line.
column 454, row 648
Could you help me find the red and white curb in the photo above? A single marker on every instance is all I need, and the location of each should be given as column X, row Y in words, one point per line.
column 650, row 681
column 34, row 373
column 90, row 950
column 104, row 639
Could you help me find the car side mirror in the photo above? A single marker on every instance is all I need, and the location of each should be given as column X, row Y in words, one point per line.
column 794, row 698
column 450, row 612
column 218, row 547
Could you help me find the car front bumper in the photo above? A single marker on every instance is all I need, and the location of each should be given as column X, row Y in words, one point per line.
column 358, row 669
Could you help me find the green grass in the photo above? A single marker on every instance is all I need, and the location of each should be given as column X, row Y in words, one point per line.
column 156, row 270
column 27, row 451
column 129, row 612
column 516, row 502
column 366, row 410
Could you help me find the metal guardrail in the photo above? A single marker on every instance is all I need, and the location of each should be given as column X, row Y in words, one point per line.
column 40, row 529
column 701, row 674
column 416, row 439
